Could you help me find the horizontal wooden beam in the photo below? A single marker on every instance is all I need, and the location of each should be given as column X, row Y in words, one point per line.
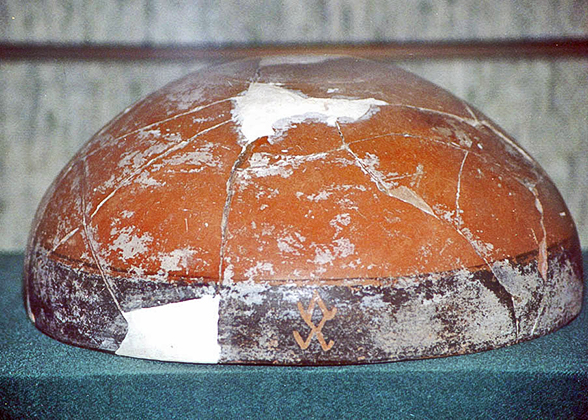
column 520, row 48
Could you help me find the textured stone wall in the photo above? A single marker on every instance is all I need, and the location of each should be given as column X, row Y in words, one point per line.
column 162, row 21
column 49, row 109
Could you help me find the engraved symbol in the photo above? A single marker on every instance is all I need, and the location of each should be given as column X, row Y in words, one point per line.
column 315, row 329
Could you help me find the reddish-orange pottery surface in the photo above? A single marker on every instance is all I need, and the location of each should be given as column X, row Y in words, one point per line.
column 301, row 210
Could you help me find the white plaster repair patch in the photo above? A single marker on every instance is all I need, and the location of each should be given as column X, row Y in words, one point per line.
column 266, row 109
column 183, row 332
column 407, row 195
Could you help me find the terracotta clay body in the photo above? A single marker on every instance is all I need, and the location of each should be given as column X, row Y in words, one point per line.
column 301, row 210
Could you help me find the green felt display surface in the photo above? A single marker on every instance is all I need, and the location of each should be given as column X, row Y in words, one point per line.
column 43, row 378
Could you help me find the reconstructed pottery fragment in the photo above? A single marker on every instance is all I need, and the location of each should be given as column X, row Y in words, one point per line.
column 301, row 210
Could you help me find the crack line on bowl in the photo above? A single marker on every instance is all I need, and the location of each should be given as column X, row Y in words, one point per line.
column 402, row 193
column 245, row 150
column 410, row 197
column 458, row 210
column 90, row 240
column 139, row 170
column 155, row 124
column 230, row 191
column 64, row 239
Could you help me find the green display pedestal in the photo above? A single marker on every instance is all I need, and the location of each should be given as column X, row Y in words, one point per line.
column 43, row 378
